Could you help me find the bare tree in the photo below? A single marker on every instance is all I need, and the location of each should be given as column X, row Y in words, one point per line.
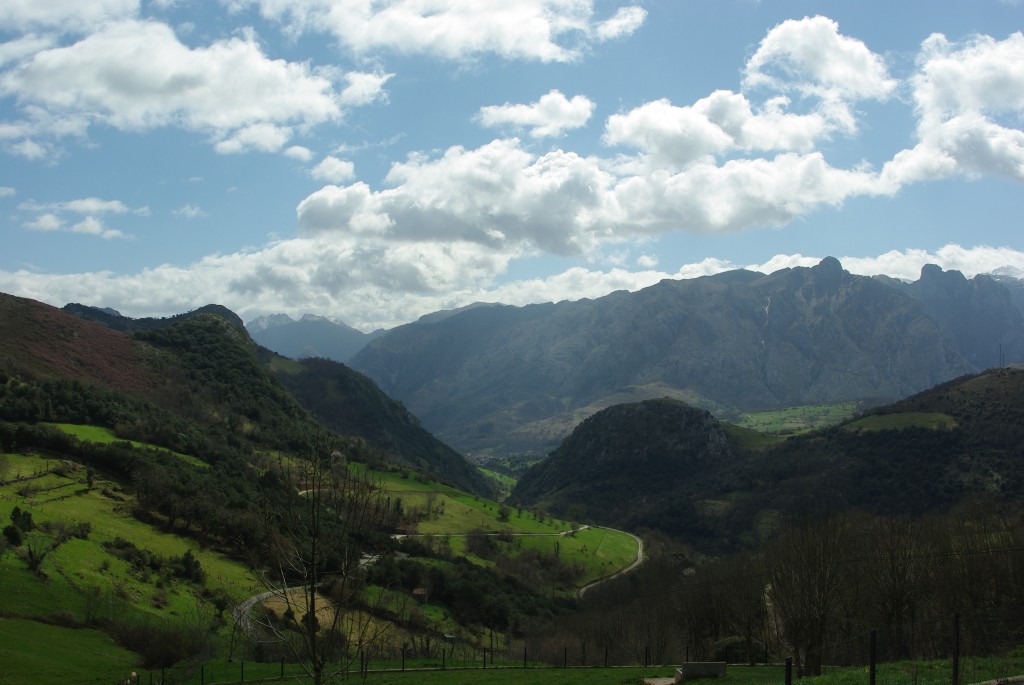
column 316, row 548
column 807, row 577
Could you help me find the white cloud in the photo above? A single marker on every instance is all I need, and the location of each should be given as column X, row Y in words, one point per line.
column 93, row 226
column 333, row 170
column 969, row 99
column 45, row 223
column 85, row 205
column 24, row 46
column 259, row 137
column 188, row 211
column 51, row 216
column 625, row 22
column 810, row 58
column 647, row 261
column 29, row 149
column 68, row 15
column 303, row 154
column 503, row 196
column 722, row 123
column 551, row 116
column 364, row 88
column 136, row 75
column 544, row 30
column 7, row 191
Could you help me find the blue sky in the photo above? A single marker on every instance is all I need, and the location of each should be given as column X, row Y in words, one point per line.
column 374, row 161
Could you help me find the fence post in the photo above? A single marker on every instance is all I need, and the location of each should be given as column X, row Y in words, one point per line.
column 202, row 674
column 524, row 655
column 606, row 655
column 872, row 657
column 242, row 665
column 789, row 670
column 956, row 648
column 282, row 668
column 565, row 657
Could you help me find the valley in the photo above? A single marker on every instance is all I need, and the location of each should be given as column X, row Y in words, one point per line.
column 199, row 502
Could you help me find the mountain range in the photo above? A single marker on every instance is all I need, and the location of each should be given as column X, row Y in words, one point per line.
column 310, row 336
column 493, row 380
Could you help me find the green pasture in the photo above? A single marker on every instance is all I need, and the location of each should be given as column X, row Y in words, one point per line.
column 798, row 419
column 85, row 564
column 505, row 483
column 601, row 551
column 879, row 422
column 34, row 652
column 103, row 435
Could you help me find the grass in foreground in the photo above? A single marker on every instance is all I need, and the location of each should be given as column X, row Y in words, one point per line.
column 34, row 652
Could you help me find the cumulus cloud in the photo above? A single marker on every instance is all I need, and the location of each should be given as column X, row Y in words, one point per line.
column 551, row 116
column 333, row 170
column 543, row 30
column 811, row 57
column 7, row 191
column 969, row 99
column 136, row 75
column 364, row 88
column 299, row 152
column 502, row 195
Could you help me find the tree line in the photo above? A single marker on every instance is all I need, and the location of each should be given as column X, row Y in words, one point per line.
column 818, row 589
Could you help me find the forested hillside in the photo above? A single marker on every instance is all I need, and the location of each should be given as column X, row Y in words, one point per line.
column 218, row 363
column 661, row 465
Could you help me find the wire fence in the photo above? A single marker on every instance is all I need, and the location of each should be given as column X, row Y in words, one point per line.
column 909, row 653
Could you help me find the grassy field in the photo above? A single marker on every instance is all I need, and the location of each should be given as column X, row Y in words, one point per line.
column 33, row 652
column 80, row 565
column 104, row 435
column 798, row 419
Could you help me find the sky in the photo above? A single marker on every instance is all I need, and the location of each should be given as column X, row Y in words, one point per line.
column 376, row 160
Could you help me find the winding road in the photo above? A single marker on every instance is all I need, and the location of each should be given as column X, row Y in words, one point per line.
column 632, row 567
column 242, row 613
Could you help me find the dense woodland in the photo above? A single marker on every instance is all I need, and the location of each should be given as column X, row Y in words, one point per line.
column 818, row 589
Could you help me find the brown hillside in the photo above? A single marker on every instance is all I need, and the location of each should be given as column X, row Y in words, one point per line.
column 43, row 341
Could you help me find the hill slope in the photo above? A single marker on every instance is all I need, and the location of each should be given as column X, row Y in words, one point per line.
column 218, row 371
column 351, row 404
column 618, row 464
column 496, row 379
column 662, row 465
